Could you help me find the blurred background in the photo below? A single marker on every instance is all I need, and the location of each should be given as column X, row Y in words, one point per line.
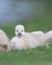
column 35, row 15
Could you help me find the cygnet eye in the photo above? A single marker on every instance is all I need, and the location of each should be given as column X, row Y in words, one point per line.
column 17, row 30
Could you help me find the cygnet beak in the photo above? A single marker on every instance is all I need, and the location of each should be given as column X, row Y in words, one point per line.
column 19, row 34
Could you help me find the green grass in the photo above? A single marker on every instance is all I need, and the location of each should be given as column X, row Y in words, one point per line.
column 37, row 56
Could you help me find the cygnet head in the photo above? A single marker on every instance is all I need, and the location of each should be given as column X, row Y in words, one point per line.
column 19, row 30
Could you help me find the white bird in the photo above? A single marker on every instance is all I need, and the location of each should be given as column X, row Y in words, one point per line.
column 3, row 41
column 41, row 38
column 17, row 42
column 25, row 40
column 49, row 35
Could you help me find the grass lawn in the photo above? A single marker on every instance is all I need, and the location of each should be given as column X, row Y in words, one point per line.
column 37, row 56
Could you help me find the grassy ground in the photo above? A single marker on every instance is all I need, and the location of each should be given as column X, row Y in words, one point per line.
column 37, row 56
